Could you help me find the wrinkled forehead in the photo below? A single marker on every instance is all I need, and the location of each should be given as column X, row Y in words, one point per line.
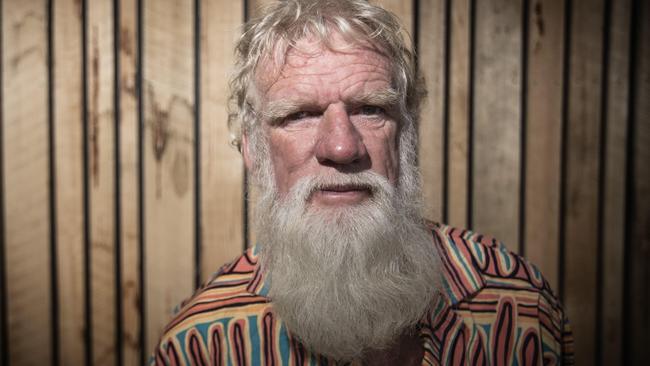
column 308, row 51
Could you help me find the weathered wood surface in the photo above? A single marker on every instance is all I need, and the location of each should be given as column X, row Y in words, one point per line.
column 582, row 169
column 222, row 170
column 638, row 245
column 460, row 26
column 130, row 286
column 497, row 121
column 100, row 142
column 544, row 136
column 68, row 153
column 26, row 188
column 613, row 195
column 431, row 51
column 168, row 92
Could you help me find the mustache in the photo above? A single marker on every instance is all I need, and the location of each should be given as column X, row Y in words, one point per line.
column 368, row 181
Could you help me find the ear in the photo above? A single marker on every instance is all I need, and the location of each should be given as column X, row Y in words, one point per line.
column 248, row 159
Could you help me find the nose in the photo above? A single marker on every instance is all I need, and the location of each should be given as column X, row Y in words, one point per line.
column 339, row 142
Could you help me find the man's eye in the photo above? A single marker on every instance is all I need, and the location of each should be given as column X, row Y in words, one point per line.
column 371, row 110
column 298, row 116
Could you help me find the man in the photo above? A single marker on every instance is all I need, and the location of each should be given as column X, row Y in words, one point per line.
column 325, row 102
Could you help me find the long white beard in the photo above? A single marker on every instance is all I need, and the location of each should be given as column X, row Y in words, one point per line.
column 349, row 279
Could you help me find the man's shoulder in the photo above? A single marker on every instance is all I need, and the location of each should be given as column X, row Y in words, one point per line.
column 229, row 293
column 478, row 262
column 489, row 285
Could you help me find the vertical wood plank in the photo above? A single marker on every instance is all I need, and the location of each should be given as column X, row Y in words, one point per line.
column 611, row 343
column 101, row 180
column 583, row 149
column 68, row 137
column 431, row 56
column 168, row 160
column 131, row 288
column 544, row 136
column 4, row 352
column 459, row 99
column 25, row 129
column 497, row 115
column 221, row 164
column 639, row 243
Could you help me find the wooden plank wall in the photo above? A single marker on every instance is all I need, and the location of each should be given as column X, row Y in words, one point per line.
column 69, row 183
column 26, row 197
column 120, row 194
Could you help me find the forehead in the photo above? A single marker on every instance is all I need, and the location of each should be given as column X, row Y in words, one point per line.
column 339, row 61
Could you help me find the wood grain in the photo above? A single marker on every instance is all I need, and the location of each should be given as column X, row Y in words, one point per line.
column 583, row 148
column 638, row 310
column 221, row 164
column 68, row 142
column 131, row 288
column 497, row 120
column 26, row 195
column 458, row 128
column 101, row 178
column 431, row 56
column 611, row 343
column 168, row 160
column 544, row 136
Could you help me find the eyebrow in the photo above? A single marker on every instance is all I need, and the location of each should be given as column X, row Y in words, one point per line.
column 280, row 109
column 386, row 98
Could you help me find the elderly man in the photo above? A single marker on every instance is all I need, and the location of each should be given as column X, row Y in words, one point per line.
column 325, row 101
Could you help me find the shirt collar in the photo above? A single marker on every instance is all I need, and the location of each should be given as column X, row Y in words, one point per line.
column 258, row 285
column 460, row 256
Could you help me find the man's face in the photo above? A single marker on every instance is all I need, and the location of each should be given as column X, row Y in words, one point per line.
column 326, row 112
column 331, row 141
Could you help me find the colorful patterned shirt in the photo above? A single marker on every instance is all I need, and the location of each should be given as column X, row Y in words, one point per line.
column 498, row 310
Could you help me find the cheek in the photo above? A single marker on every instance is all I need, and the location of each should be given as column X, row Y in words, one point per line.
column 288, row 155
